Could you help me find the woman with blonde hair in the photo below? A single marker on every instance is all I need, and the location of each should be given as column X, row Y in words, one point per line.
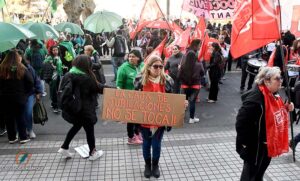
column 153, row 79
column 16, row 83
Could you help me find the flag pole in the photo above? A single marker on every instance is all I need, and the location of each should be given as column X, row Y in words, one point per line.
column 45, row 12
column 2, row 11
column 163, row 15
column 7, row 11
column 286, row 80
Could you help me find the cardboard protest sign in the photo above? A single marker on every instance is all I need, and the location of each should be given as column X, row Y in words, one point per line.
column 143, row 107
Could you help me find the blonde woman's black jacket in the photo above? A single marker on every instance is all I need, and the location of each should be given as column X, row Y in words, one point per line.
column 250, row 126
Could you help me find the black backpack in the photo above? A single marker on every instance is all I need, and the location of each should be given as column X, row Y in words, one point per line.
column 119, row 47
column 47, row 72
column 69, row 99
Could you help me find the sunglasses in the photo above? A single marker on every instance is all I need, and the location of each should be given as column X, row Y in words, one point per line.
column 158, row 66
column 175, row 48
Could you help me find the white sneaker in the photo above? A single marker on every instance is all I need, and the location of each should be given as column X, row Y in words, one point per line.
column 32, row 135
column 191, row 121
column 96, row 155
column 13, row 141
column 44, row 94
column 211, row 101
column 65, row 153
column 24, row 141
column 196, row 120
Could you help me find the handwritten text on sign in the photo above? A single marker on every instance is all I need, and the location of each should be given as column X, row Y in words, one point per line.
column 143, row 107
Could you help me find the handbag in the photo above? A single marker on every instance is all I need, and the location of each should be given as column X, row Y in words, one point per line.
column 39, row 113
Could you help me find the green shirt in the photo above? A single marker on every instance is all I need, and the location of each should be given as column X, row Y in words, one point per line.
column 126, row 75
column 57, row 63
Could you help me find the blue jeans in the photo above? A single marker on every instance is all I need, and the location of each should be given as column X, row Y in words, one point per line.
column 154, row 141
column 191, row 96
column 116, row 63
column 28, row 112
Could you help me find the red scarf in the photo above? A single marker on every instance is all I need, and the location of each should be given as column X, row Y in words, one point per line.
column 276, row 123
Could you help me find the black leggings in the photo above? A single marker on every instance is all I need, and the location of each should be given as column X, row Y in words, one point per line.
column 252, row 172
column 132, row 129
column 88, row 127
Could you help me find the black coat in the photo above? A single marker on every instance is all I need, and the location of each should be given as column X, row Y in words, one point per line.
column 14, row 91
column 97, row 68
column 251, row 126
column 88, row 94
column 172, row 65
column 215, row 71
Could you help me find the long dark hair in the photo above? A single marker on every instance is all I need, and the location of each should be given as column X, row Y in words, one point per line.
column 51, row 49
column 84, row 63
column 216, row 47
column 11, row 67
column 187, row 69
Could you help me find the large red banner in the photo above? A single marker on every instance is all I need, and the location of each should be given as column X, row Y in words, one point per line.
column 295, row 28
column 213, row 9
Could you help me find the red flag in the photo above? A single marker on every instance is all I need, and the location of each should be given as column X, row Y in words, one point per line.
column 199, row 30
column 242, row 32
column 160, row 24
column 158, row 50
column 265, row 20
column 176, row 28
column 295, row 28
column 131, row 28
column 138, row 28
column 182, row 41
column 204, row 52
column 150, row 11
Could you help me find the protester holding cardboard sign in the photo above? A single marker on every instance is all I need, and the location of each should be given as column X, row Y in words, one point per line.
column 153, row 79
column 125, row 78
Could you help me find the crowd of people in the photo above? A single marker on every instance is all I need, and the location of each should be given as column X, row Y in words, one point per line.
column 75, row 60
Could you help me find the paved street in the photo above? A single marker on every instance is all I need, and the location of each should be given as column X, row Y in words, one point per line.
column 200, row 151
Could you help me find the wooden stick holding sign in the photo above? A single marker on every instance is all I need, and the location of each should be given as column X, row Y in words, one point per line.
column 143, row 107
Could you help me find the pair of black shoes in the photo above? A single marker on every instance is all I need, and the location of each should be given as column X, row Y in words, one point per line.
column 155, row 169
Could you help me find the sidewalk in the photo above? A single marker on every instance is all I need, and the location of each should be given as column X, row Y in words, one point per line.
column 207, row 155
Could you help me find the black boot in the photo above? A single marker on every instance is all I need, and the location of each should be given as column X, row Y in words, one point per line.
column 147, row 172
column 155, row 169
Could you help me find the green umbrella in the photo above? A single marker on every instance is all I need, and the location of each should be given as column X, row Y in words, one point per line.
column 11, row 31
column 103, row 21
column 71, row 28
column 43, row 31
column 7, row 45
